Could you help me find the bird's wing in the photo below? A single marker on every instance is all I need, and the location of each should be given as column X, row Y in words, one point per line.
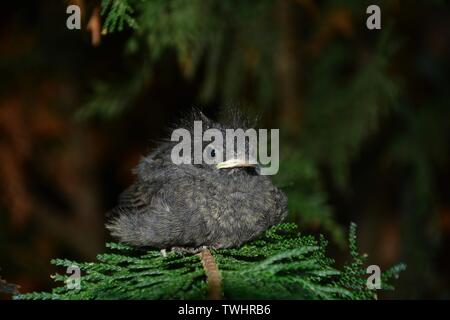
column 135, row 199
column 160, row 214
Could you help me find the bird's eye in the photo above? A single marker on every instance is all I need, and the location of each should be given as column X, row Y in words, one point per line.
column 213, row 153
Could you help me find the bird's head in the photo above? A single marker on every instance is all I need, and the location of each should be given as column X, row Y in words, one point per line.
column 225, row 147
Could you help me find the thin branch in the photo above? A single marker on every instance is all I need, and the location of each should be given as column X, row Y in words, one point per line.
column 213, row 275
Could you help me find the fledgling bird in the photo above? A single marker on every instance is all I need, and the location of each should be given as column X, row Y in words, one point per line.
column 196, row 205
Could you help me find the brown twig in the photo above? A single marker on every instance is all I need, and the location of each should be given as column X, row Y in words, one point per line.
column 213, row 276
column 95, row 27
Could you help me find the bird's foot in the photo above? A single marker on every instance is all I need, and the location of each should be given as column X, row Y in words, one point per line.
column 191, row 250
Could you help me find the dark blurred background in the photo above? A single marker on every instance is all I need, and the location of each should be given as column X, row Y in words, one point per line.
column 364, row 117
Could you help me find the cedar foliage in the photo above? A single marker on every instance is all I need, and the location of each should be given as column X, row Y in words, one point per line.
column 282, row 264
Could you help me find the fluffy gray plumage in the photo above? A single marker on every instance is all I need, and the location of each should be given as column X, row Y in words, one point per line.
column 195, row 205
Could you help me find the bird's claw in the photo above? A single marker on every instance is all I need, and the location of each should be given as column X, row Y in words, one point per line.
column 191, row 250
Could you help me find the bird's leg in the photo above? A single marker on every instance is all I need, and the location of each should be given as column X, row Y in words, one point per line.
column 218, row 246
column 191, row 250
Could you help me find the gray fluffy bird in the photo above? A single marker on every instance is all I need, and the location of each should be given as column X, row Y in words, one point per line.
column 192, row 206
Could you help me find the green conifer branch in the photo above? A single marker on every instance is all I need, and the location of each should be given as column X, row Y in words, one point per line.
column 282, row 264
column 118, row 13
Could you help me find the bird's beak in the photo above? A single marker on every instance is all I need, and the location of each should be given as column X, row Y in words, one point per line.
column 235, row 163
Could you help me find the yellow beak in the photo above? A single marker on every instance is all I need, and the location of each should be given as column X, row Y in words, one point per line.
column 235, row 163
